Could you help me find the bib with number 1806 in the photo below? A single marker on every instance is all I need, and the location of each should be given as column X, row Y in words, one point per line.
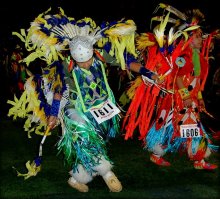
column 104, row 111
column 189, row 130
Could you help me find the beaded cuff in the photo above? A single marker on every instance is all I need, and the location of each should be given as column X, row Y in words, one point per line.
column 146, row 72
column 55, row 107
column 184, row 93
column 130, row 59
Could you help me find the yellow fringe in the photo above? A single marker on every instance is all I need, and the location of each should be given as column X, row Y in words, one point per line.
column 132, row 89
column 28, row 106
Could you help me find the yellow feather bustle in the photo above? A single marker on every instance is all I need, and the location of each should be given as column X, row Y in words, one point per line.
column 28, row 106
column 143, row 41
column 122, row 37
column 159, row 31
column 40, row 44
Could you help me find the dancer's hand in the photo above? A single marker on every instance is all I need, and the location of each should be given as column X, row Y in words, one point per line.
column 201, row 104
column 52, row 122
column 187, row 102
column 158, row 79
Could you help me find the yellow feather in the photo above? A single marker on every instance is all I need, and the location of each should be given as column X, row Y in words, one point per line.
column 131, row 91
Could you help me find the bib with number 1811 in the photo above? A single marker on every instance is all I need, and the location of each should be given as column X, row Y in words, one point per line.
column 104, row 111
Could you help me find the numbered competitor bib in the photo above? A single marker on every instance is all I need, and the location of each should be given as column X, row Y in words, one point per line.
column 189, row 130
column 104, row 112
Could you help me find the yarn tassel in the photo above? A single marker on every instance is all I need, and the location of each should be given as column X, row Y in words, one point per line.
column 35, row 167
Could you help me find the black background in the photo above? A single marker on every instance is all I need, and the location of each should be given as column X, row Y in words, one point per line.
column 18, row 14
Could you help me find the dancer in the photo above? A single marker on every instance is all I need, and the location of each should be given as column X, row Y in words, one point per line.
column 73, row 90
column 181, row 58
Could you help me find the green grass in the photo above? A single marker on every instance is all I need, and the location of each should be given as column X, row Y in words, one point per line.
column 140, row 178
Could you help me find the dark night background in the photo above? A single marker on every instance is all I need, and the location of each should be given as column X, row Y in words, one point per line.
column 18, row 14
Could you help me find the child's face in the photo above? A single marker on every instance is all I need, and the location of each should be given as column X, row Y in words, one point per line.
column 86, row 64
column 197, row 40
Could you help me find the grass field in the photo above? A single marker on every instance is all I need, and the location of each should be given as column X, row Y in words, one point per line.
column 140, row 178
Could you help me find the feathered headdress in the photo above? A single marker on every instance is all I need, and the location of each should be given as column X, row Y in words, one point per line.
column 181, row 25
column 50, row 35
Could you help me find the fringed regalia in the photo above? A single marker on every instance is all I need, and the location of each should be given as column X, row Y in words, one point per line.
column 157, row 110
column 83, row 139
